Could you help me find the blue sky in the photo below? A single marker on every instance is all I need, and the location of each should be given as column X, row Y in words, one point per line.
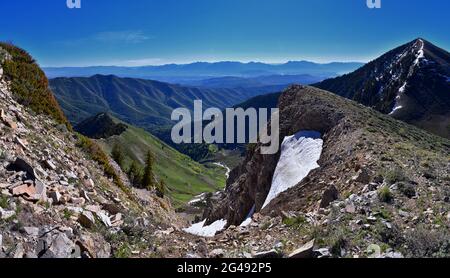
column 139, row 32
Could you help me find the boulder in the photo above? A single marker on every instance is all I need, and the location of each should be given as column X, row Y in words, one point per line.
column 55, row 196
column 362, row 176
column 55, row 245
column 21, row 164
column 8, row 121
column 350, row 208
column 94, row 245
column 329, row 195
column 31, row 192
column 304, row 252
column 103, row 218
column 112, row 208
column 6, row 214
column 49, row 165
column 21, row 143
column 322, row 253
column 31, row 231
column 23, row 189
column 86, row 219
column 19, row 251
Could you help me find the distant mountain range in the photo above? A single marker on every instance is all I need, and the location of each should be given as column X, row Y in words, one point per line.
column 259, row 81
column 174, row 73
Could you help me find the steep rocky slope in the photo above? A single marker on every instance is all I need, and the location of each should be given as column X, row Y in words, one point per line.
column 380, row 182
column 411, row 83
column 56, row 201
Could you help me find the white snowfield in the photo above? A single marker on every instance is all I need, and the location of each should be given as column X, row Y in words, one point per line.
column 200, row 229
column 299, row 156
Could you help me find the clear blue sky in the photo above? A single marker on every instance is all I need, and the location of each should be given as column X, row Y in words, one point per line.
column 137, row 32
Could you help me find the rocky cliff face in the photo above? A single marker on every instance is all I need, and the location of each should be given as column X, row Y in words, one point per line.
column 381, row 163
column 250, row 183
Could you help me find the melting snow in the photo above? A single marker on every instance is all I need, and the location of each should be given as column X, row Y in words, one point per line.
column 299, row 156
column 420, row 53
column 397, row 107
column 248, row 220
column 206, row 231
column 402, row 89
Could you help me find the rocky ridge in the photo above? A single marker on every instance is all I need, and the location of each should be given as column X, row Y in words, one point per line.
column 382, row 189
column 56, row 202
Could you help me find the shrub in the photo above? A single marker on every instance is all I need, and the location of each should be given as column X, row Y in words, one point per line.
column 425, row 242
column 118, row 154
column 385, row 194
column 161, row 188
column 338, row 241
column 407, row 189
column 30, row 85
column 135, row 174
column 3, row 202
column 394, row 175
column 295, row 221
column 98, row 155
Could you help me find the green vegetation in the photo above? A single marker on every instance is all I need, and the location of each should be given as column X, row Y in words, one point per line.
column 67, row 214
column 3, row 201
column 148, row 179
column 97, row 154
column 30, row 85
column 407, row 188
column 385, row 195
column 182, row 177
column 394, row 175
column 135, row 174
column 295, row 221
column 118, row 155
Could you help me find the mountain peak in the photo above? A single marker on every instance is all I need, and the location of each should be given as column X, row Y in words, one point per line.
column 409, row 83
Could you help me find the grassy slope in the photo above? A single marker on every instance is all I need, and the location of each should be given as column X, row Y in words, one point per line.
column 185, row 178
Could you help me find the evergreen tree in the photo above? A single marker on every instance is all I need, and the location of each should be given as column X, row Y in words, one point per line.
column 161, row 188
column 118, row 154
column 134, row 174
column 148, row 178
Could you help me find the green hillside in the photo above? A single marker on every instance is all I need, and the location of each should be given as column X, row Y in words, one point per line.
column 184, row 177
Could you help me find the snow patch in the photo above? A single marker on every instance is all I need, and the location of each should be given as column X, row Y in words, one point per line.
column 396, row 107
column 206, row 231
column 248, row 220
column 402, row 89
column 421, row 53
column 299, row 156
